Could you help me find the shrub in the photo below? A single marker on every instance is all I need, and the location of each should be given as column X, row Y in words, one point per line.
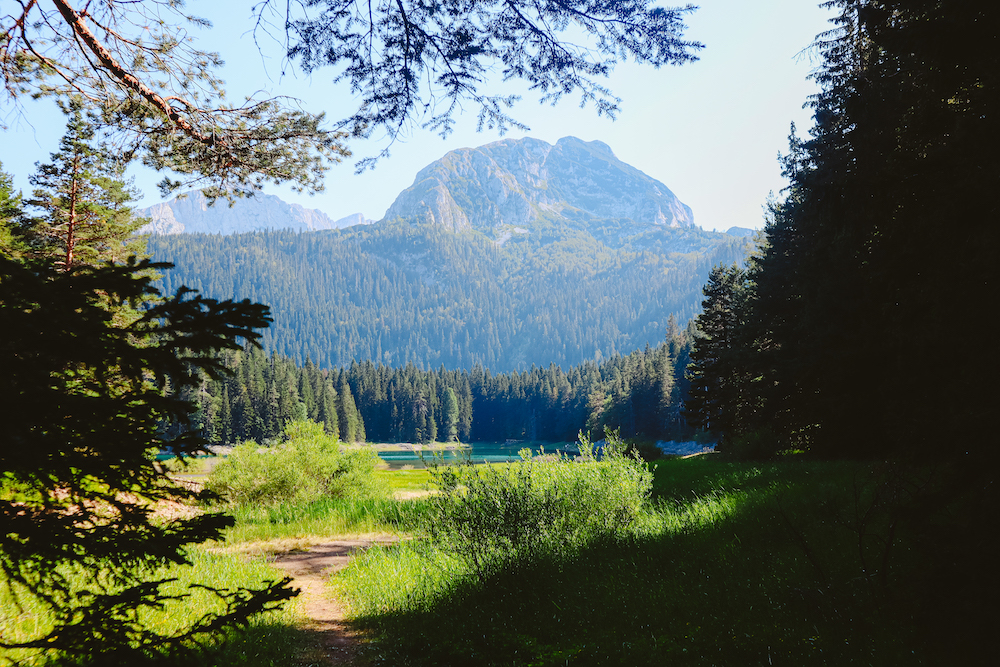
column 495, row 515
column 308, row 466
column 753, row 445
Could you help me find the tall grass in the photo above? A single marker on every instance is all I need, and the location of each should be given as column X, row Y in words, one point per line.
column 729, row 564
column 323, row 517
column 267, row 641
column 272, row 637
column 494, row 516
column 687, row 562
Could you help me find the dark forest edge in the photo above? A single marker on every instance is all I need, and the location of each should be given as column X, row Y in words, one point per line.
column 641, row 395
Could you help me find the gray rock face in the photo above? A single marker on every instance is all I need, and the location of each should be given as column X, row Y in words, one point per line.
column 352, row 220
column 192, row 214
column 517, row 182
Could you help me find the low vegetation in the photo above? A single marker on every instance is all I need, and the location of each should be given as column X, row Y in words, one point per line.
column 309, row 465
column 722, row 563
column 610, row 560
column 188, row 598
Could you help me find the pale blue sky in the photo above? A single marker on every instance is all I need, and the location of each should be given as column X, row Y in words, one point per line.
column 710, row 130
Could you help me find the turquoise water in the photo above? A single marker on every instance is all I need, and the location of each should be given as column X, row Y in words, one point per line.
column 476, row 453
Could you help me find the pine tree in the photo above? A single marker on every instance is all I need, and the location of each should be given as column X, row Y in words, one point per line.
column 328, row 409
column 348, row 417
column 450, row 418
column 880, row 240
column 11, row 212
column 85, row 402
column 84, row 203
column 720, row 388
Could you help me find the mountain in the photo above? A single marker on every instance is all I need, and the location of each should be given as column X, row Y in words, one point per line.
column 516, row 186
column 514, row 254
column 352, row 220
column 192, row 214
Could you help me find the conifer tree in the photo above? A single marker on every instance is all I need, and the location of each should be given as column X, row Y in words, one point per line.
column 450, row 411
column 11, row 245
column 328, row 410
column 880, row 239
column 348, row 417
column 719, row 384
column 85, row 402
column 86, row 217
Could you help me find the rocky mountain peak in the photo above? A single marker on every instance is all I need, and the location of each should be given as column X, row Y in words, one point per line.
column 518, row 182
column 191, row 213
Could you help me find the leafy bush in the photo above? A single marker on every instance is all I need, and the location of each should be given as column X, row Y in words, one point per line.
column 495, row 515
column 308, row 466
column 757, row 444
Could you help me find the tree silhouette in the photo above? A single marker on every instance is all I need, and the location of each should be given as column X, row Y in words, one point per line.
column 85, row 398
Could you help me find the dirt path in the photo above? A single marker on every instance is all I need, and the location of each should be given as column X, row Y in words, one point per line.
column 310, row 569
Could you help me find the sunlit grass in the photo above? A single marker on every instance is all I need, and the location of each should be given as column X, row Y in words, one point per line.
column 713, row 573
column 728, row 564
column 411, row 480
column 271, row 638
column 267, row 641
column 394, row 579
column 326, row 517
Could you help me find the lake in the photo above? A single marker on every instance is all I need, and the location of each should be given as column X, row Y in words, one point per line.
column 476, row 453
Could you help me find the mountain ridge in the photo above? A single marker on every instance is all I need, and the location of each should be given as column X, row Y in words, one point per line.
column 517, row 183
column 503, row 189
column 514, row 254
column 193, row 214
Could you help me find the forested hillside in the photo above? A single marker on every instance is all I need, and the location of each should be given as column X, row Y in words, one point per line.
column 641, row 394
column 398, row 294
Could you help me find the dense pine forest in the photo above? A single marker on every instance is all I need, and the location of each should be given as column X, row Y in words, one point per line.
column 641, row 394
column 398, row 294
column 882, row 248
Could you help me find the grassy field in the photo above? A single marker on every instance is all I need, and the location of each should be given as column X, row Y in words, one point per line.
column 793, row 562
column 265, row 643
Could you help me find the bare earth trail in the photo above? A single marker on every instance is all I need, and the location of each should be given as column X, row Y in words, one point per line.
column 310, row 570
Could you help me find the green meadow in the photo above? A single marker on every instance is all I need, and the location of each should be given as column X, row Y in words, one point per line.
column 699, row 561
column 728, row 564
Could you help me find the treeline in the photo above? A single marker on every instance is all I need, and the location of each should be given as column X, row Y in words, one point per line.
column 399, row 294
column 641, row 394
column 881, row 253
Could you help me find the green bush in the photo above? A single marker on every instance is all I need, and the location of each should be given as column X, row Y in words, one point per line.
column 754, row 445
column 495, row 515
column 308, row 466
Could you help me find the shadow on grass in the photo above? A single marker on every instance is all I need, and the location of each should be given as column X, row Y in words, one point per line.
column 796, row 572
column 262, row 644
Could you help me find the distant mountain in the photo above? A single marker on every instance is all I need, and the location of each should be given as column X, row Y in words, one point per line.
column 192, row 214
column 352, row 220
column 517, row 186
column 508, row 255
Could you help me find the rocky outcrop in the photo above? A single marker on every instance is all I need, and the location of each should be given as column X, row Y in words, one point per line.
column 352, row 220
column 520, row 182
column 192, row 213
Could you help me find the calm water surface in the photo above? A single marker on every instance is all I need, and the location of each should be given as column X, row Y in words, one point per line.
column 476, row 453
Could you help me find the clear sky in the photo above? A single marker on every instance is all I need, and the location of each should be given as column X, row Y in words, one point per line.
column 710, row 130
